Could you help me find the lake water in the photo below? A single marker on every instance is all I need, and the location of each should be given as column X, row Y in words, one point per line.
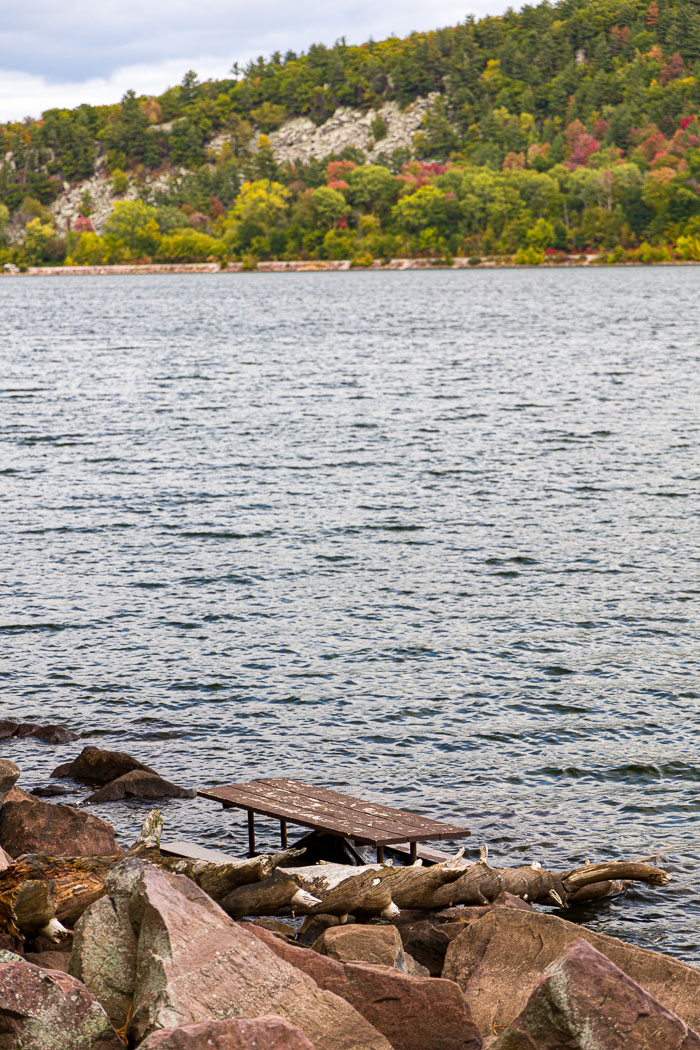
column 431, row 538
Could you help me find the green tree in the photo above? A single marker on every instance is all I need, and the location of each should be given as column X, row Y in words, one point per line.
column 131, row 230
column 329, row 206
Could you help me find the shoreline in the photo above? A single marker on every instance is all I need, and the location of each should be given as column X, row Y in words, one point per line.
column 322, row 266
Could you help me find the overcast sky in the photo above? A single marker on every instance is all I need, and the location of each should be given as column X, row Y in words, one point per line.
column 64, row 52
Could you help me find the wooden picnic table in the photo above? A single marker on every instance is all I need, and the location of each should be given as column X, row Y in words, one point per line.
column 330, row 811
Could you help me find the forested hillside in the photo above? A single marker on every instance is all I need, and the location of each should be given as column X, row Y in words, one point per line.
column 557, row 128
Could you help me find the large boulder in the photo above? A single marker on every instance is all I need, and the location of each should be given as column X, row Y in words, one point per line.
column 9, row 775
column 103, row 954
column 49, row 1010
column 99, row 767
column 584, row 1001
column 426, row 935
column 414, row 1013
column 194, row 964
column 261, row 1033
column 139, row 784
column 499, row 959
column 379, row 945
column 30, row 825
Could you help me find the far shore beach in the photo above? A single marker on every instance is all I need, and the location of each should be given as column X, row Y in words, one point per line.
column 317, row 266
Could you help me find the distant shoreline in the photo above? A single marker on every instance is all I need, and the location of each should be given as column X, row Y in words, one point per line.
column 322, row 266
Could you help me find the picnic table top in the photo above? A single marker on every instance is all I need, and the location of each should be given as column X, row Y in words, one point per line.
column 331, row 811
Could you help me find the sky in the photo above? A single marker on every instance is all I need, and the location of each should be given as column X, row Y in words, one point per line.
column 65, row 52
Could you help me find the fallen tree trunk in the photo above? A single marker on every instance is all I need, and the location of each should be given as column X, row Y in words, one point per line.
column 375, row 889
column 39, row 891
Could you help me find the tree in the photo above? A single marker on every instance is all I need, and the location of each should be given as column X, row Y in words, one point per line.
column 427, row 207
column 372, row 187
column 132, row 229
column 329, row 206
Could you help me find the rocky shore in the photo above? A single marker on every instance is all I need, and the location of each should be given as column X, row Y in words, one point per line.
column 103, row 947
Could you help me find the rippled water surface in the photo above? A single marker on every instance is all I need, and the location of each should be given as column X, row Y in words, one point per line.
column 431, row 538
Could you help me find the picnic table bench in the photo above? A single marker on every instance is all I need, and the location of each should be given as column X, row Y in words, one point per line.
column 366, row 823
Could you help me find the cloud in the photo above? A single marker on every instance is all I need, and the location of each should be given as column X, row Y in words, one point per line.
column 91, row 51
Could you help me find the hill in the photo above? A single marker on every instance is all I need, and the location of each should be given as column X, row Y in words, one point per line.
column 559, row 127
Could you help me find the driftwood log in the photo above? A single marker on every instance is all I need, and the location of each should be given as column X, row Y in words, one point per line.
column 376, row 889
column 40, row 893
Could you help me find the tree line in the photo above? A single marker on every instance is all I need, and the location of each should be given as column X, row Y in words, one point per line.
column 562, row 127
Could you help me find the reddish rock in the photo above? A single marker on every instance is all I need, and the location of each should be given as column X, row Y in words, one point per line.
column 499, row 959
column 42, row 1009
column 30, row 825
column 414, row 1013
column 427, row 941
column 314, row 926
column 583, row 1001
column 9, row 775
column 98, row 766
column 261, row 1033
column 194, row 964
column 380, row 945
column 49, row 960
column 139, row 784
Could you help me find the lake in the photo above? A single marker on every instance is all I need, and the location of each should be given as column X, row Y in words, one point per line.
column 427, row 537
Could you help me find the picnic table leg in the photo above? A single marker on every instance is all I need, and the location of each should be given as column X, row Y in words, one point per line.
column 380, row 854
column 414, row 852
column 283, row 833
column 251, row 833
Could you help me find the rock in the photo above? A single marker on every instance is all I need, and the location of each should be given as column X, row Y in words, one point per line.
column 94, row 764
column 8, row 728
column 51, row 791
column 51, row 734
column 194, row 964
column 30, row 825
column 49, row 1010
column 584, row 1001
column 427, row 935
column 427, row 941
column 414, row 1013
column 380, row 945
column 260, row 1033
column 5, row 859
column 139, row 784
column 104, row 953
column 9, row 775
column 49, row 960
column 282, row 929
column 499, row 959
column 314, row 926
